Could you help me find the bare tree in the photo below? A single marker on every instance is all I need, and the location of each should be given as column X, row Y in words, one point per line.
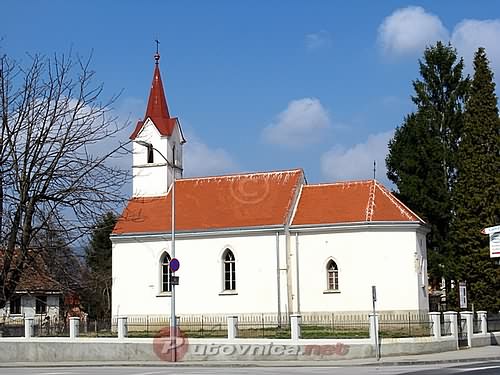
column 51, row 175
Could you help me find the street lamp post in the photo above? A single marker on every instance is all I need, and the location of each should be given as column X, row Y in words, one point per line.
column 173, row 322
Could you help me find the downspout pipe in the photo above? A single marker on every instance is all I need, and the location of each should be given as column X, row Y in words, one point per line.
column 278, row 276
column 289, row 277
column 297, row 265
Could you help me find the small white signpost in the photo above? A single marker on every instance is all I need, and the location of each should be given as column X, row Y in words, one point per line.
column 494, row 233
column 462, row 289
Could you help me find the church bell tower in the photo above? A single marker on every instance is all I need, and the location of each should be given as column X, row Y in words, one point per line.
column 157, row 144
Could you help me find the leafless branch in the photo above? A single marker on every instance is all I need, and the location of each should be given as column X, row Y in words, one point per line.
column 52, row 119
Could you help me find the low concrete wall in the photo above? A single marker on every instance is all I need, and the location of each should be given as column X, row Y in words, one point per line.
column 479, row 339
column 55, row 350
column 495, row 338
column 85, row 349
column 491, row 338
column 419, row 345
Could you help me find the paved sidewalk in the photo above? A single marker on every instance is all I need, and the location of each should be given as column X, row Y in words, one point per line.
column 484, row 353
column 487, row 353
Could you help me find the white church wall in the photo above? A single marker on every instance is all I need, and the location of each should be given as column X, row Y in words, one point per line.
column 255, row 275
column 134, row 283
column 364, row 258
column 423, row 279
column 389, row 259
column 136, row 276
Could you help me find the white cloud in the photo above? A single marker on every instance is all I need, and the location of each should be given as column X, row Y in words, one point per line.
column 469, row 35
column 357, row 162
column 409, row 30
column 321, row 39
column 202, row 160
column 300, row 124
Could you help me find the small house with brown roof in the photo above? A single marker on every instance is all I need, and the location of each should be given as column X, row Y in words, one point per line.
column 37, row 293
column 255, row 243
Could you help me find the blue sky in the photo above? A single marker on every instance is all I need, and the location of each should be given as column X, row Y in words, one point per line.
column 262, row 85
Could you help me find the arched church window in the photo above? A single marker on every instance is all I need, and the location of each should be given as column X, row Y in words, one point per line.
column 332, row 276
column 165, row 274
column 229, row 270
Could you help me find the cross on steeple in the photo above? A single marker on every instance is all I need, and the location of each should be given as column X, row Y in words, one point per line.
column 157, row 54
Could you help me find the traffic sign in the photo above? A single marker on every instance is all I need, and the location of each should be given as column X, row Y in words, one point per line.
column 491, row 230
column 495, row 245
column 494, row 233
column 174, row 264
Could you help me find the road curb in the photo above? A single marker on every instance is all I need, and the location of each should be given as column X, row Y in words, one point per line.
column 381, row 363
column 434, row 362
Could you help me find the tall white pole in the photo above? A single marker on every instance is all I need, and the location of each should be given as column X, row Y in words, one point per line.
column 173, row 323
column 375, row 323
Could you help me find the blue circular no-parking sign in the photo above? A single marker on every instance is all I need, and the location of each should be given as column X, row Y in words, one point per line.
column 174, row 264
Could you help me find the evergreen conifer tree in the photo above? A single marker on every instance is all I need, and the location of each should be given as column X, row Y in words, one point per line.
column 476, row 193
column 97, row 296
column 422, row 155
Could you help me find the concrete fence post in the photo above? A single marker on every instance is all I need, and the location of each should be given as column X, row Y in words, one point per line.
column 451, row 316
column 374, row 328
column 295, row 321
column 435, row 318
column 122, row 327
column 74, row 327
column 29, row 327
column 232, row 327
column 469, row 325
column 483, row 319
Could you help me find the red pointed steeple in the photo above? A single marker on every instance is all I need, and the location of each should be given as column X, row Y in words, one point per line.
column 157, row 104
column 157, row 109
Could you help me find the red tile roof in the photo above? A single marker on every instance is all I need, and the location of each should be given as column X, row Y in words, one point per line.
column 157, row 109
column 208, row 203
column 36, row 276
column 348, row 202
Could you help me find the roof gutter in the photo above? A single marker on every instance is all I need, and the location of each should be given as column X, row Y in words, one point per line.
column 271, row 229
column 361, row 225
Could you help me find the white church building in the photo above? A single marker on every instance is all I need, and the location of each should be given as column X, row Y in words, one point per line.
column 264, row 242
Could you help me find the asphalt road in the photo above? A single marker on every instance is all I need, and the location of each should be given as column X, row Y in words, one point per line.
column 480, row 368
